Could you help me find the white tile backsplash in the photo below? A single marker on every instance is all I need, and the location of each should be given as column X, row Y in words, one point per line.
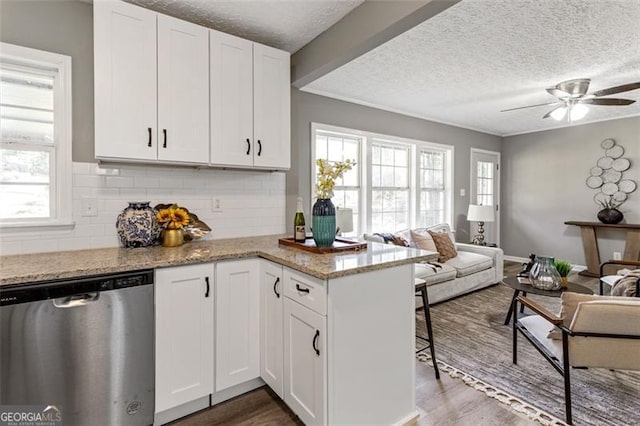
column 251, row 203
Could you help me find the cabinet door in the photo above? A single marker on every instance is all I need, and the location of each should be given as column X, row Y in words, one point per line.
column 231, row 100
column 237, row 322
column 272, row 99
column 125, row 81
column 305, row 360
column 271, row 327
column 184, row 334
column 183, row 91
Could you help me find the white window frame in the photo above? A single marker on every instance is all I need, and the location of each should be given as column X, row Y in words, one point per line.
column 365, row 173
column 61, row 180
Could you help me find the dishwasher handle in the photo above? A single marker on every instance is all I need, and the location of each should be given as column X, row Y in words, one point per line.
column 76, row 300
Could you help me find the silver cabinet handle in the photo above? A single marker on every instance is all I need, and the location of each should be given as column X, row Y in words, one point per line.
column 76, row 300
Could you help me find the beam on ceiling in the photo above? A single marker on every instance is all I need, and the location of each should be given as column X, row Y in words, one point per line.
column 364, row 28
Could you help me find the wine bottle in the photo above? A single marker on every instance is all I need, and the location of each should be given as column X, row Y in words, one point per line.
column 299, row 234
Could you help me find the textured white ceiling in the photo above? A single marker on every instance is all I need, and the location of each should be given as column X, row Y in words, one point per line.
column 284, row 24
column 481, row 56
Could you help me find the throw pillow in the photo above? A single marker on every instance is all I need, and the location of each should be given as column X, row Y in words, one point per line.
column 399, row 240
column 423, row 240
column 445, row 247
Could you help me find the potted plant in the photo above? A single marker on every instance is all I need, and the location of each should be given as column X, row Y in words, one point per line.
column 564, row 268
column 324, row 212
column 610, row 213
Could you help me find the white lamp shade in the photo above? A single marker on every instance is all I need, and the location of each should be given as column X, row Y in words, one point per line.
column 344, row 220
column 480, row 213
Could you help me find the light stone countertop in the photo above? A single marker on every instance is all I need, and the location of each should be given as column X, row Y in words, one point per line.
column 28, row 268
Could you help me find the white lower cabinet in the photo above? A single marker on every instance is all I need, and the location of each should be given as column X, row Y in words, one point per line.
column 272, row 326
column 183, row 332
column 237, row 322
column 305, row 360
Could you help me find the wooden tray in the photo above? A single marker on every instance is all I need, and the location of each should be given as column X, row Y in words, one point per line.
column 339, row 245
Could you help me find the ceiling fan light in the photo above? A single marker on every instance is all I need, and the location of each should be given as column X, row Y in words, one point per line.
column 559, row 113
column 578, row 112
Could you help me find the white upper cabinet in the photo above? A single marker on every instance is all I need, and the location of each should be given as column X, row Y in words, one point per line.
column 231, row 100
column 125, row 81
column 151, row 86
column 183, row 91
column 250, row 104
column 271, row 107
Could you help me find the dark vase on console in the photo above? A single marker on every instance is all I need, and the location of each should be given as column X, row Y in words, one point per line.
column 610, row 216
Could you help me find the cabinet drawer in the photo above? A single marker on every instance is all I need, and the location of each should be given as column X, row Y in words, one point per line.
column 306, row 290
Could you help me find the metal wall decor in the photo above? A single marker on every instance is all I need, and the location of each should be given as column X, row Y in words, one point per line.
column 608, row 174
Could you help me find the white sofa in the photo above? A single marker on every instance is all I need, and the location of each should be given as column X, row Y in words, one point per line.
column 474, row 267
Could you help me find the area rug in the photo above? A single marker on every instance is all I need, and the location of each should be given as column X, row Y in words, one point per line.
column 469, row 334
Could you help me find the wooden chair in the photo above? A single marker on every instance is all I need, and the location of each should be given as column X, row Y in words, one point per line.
column 591, row 325
column 610, row 280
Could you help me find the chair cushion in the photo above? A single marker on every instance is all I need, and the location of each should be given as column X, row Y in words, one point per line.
column 610, row 279
column 432, row 274
column 445, row 248
column 539, row 327
column 467, row 263
column 423, row 240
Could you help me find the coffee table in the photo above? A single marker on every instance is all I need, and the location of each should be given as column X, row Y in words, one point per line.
column 524, row 287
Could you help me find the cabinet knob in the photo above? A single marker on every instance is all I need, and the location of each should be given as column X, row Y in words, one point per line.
column 315, row 341
column 248, row 146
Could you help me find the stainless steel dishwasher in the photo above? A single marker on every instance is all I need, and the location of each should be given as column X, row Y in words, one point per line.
column 85, row 346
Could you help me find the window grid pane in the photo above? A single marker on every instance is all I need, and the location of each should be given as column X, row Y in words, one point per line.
column 484, row 183
column 346, row 193
column 390, row 194
column 432, row 207
column 27, row 161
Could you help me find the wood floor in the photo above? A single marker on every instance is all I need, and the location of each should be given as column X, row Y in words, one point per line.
column 444, row 402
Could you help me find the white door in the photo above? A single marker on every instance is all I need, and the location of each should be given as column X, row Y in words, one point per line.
column 271, row 100
column 237, row 322
column 125, row 81
column 183, row 91
column 485, row 190
column 305, row 360
column 184, row 334
column 231, row 67
column 271, row 327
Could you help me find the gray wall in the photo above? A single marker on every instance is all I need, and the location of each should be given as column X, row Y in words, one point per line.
column 64, row 27
column 543, row 185
column 307, row 108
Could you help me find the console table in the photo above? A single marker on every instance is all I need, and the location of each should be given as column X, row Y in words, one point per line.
column 590, row 243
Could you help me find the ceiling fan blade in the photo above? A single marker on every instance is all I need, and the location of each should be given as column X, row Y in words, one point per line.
column 547, row 115
column 607, row 101
column 617, row 89
column 531, row 106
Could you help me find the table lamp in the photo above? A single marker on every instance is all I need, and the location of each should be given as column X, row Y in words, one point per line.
column 480, row 214
column 344, row 221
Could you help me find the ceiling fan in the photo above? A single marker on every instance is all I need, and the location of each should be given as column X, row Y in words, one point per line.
column 573, row 98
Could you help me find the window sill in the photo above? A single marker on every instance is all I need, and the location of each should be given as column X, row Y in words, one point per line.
column 7, row 229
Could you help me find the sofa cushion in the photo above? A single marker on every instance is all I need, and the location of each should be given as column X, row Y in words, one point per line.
column 432, row 274
column 423, row 240
column 467, row 263
column 445, row 247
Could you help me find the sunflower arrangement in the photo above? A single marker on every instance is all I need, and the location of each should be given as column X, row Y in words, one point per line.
column 173, row 217
column 328, row 174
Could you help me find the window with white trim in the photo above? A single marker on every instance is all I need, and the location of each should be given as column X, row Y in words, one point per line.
column 35, row 137
column 398, row 183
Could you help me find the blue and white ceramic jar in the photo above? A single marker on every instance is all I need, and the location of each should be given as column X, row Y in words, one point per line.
column 137, row 225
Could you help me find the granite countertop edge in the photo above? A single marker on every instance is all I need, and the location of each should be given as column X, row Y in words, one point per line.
column 38, row 267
